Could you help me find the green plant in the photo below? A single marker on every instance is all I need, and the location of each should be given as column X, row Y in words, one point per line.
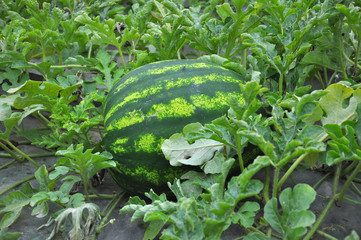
column 86, row 164
column 59, row 59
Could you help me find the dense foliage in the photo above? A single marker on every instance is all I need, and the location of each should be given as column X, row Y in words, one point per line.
column 302, row 109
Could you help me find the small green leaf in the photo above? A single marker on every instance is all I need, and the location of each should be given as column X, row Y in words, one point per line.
column 295, row 216
column 59, row 170
column 11, row 206
column 9, row 118
column 225, row 11
column 5, row 235
column 353, row 236
column 246, row 213
column 153, row 229
column 41, row 210
column 41, row 176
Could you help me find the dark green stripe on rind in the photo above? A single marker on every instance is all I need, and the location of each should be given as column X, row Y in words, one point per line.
column 151, row 103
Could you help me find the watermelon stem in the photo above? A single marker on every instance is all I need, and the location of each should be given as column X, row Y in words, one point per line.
column 122, row 57
column 119, row 197
column 86, row 190
column 266, row 185
column 22, row 154
column 21, row 182
column 12, row 154
column 107, row 196
column 7, row 164
column 275, row 181
column 239, row 151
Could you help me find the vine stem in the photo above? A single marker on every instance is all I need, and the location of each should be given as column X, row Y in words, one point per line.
column 326, row 235
column 68, row 66
column 357, row 53
column 356, row 188
column 102, row 224
column 336, row 196
column 107, row 196
column 321, row 138
column 321, row 180
column 21, row 182
column 350, row 61
column 22, row 154
column 239, row 151
column 349, row 168
column 320, row 219
column 86, row 190
column 7, row 164
column 13, row 155
column 349, row 180
column 46, row 154
column 281, row 84
column 122, row 57
column 266, row 185
column 275, row 182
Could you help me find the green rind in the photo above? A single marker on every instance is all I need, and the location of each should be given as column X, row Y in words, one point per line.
column 151, row 103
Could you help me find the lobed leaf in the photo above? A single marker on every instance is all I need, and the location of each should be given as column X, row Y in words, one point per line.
column 179, row 152
column 295, row 216
column 339, row 103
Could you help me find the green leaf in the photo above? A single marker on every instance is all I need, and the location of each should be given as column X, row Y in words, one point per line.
column 11, row 207
column 225, row 11
column 353, row 236
column 44, row 93
column 59, row 170
column 242, row 186
column 259, row 140
column 41, row 209
column 344, row 143
column 87, row 164
column 13, row 76
column 214, row 165
column 9, row 118
column 41, row 176
column 68, row 183
column 295, row 216
column 7, row 58
column 153, row 229
column 5, row 235
column 246, row 213
column 353, row 15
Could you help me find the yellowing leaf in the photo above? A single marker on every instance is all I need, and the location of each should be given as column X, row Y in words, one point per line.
column 339, row 103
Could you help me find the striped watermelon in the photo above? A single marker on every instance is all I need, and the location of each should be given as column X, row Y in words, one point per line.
column 153, row 102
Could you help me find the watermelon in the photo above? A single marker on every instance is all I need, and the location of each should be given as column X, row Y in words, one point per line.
column 151, row 103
